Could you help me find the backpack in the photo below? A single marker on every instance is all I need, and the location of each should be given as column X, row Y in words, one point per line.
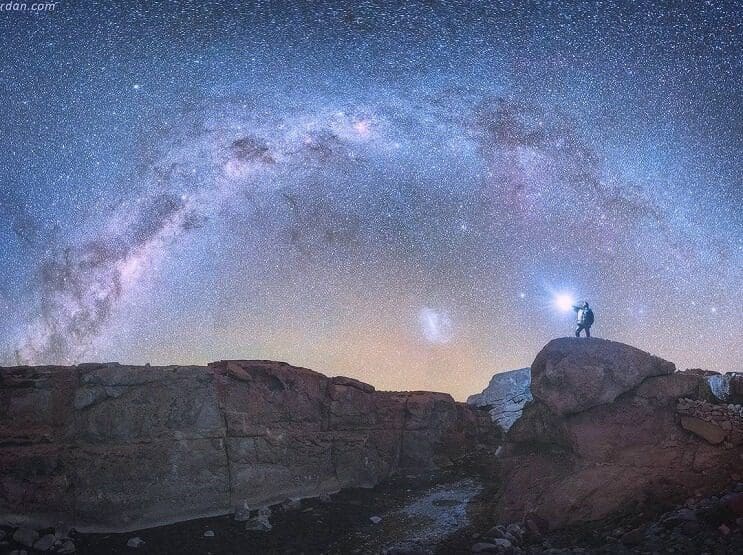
column 588, row 317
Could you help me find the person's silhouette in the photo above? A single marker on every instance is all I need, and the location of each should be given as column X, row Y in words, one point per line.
column 585, row 319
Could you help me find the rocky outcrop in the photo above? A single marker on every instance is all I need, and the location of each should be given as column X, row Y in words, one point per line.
column 113, row 448
column 571, row 376
column 505, row 396
column 607, row 431
column 714, row 423
column 725, row 388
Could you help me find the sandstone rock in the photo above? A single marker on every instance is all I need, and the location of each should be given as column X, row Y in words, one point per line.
column 45, row 542
column 669, row 388
column 495, row 532
column 505, row 396
column 707, row 430
column 258, row 524
column 515, row 530
column 595, row 442
column 109, row 447
column 241, row 513
column 25, row 536
column 571, row 375
column 67, row 547
column 135, row 542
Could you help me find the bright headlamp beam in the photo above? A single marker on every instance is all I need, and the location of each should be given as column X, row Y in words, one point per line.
column 564, row 301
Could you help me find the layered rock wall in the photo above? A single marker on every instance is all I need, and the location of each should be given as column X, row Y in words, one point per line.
column 112, row 448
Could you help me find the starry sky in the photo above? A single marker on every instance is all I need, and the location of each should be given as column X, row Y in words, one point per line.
column 394, row 191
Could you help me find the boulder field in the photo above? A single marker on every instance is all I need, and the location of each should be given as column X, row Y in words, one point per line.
column 612, row 427
column 108, row 447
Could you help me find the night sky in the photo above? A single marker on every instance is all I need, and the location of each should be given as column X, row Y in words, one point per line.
column 393, row 191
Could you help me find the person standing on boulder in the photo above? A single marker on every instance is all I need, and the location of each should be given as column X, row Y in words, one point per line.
column 585, row 319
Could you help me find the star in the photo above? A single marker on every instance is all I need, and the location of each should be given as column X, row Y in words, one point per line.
column 414, row 197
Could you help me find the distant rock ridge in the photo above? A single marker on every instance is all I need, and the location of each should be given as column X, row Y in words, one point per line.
column 109, row 447
column 610, row 428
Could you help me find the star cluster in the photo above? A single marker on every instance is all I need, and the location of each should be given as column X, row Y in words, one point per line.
column 394, row 191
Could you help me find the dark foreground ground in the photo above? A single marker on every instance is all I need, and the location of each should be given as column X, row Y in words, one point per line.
column 427, row 508
column 443, row 512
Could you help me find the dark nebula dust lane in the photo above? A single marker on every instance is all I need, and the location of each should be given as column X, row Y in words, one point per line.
column 392, row 191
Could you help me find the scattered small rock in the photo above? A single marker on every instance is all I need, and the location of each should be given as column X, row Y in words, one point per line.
column 67, row 547
column 633, row 537
column 515, row 530
column 679, row 517
column 45, row 543
column 260, row 523
column 242, row 513
column 135, row 542
column 496, row 532
column 376, row 519
column 483, row 547
column 25, row 536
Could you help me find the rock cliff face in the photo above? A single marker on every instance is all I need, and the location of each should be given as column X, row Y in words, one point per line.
column 505, row 396
column 114, row 448
column 611, row 427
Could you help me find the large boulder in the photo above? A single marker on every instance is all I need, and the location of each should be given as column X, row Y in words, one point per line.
column 595, row 441
column 571, row 374
column 505, row 396
column 107, row 447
